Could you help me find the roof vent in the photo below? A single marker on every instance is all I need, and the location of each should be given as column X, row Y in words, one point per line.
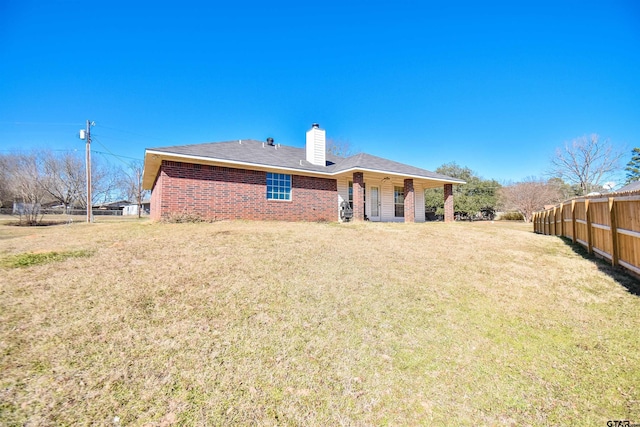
column 270, row 141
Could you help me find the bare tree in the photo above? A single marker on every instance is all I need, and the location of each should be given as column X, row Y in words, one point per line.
column 65, row 180
column 104, row 182
column 586, row 162
column 131, row 184
column 529, row 196
column 32, row 178
column 565, row 191
column 26, row 173
column 338, row 147
column 6, row 192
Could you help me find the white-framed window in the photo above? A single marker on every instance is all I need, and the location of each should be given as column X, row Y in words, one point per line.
column 398, row 199
column 278, row 186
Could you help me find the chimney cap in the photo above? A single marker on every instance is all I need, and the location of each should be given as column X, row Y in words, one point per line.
column 315, row 125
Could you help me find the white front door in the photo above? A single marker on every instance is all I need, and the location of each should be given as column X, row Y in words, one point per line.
column 375, row 204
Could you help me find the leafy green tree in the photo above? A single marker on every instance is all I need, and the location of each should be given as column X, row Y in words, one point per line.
column 633, row 167
column 477, row 197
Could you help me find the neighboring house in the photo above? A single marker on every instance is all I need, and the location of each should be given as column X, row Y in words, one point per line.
column 633, row 186
column 118, row 205
column 133, row 208
column 248, row 179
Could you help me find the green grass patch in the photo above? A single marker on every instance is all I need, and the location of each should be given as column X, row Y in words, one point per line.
column 30, row 259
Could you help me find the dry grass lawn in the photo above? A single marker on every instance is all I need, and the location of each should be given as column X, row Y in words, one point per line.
column 311, row 324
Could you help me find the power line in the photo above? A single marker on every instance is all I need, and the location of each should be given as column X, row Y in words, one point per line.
column 115, row 155
column 133, row 133
column 40, row 124
column 80, row 124
column 111, row 153
column 70, row 150
column 26, row 150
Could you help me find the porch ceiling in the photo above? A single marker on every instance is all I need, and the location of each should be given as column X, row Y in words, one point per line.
column 379, row 178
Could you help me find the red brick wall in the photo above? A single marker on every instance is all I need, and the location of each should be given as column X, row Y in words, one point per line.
column 448, row 202
column 217, row 193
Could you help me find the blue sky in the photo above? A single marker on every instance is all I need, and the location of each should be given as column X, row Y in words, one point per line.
column 495, row 86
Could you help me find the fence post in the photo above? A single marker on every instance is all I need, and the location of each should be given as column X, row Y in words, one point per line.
column 562, row 219
column 573, row 220
column 588, row 217
column 553, row 214
column 559, row 208
column 614, row 231
column 541, row 222
column 547, row 228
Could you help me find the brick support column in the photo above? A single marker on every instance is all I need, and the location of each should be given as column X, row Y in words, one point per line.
column 358, row 196
column 448, row 202
column 409, row 201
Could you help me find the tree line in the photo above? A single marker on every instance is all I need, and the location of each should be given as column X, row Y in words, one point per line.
column 43, row 177
column 579, row 168
column 582, row 166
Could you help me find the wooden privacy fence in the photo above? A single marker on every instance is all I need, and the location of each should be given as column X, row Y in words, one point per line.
column 606, row 225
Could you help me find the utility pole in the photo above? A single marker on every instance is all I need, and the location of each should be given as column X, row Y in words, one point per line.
column 86, row 134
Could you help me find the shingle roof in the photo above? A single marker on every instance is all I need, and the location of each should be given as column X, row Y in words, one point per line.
column 249, row 151
column 374, row 163
column 258, row 153
column 634, row 186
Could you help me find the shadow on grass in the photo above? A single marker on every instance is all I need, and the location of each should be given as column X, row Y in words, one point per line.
column 36, row 224
column 620, row 274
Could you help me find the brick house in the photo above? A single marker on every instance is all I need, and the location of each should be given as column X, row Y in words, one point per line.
column 248, row 179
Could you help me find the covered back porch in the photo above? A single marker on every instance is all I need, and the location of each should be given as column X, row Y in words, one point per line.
column 387, row 197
